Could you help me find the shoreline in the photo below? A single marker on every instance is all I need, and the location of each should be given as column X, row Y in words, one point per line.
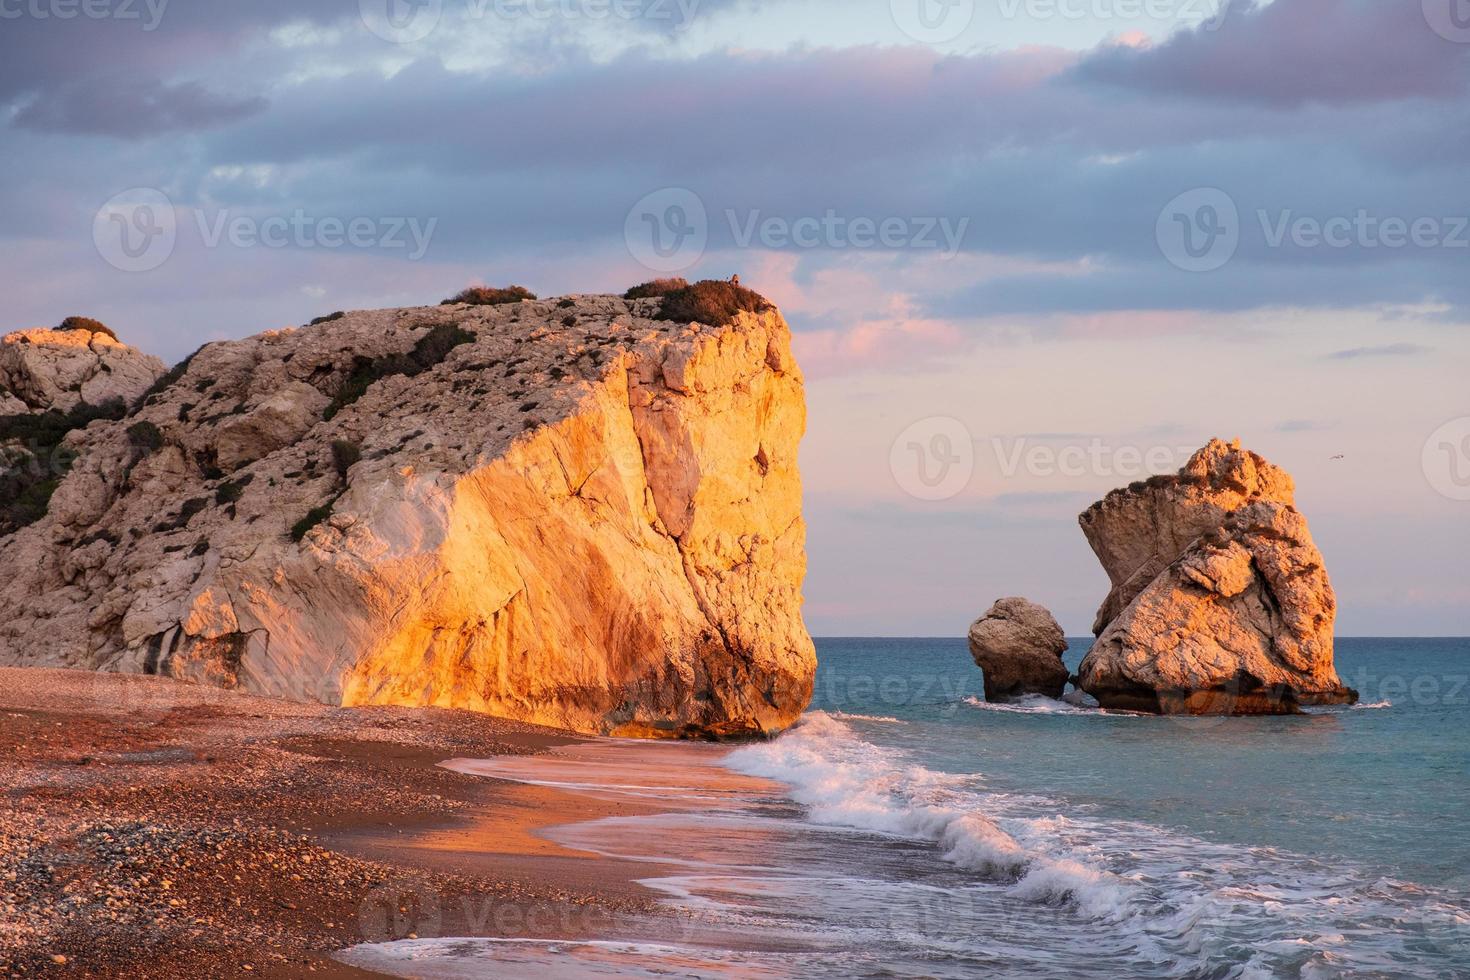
column 157, row 829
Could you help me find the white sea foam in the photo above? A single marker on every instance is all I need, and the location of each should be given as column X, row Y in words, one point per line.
column 845, row 781
column 1385, row 703
column 1040, row 704
column 881, row 719
column 984, row 877
column 482, row 958
column 1180, row 902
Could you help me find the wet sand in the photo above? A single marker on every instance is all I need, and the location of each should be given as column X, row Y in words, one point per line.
column 150, row 828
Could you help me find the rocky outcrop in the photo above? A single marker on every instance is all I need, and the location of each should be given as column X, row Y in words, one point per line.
column 567, row 512
column 1018, row 645
column 1136, row 532
column 58, row 369
column 1220, row 602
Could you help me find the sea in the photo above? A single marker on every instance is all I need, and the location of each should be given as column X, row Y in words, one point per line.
column 907, row 828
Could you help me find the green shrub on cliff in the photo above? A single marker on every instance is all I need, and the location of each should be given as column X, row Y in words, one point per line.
column 490, row 296
column 430, row 350
column 656, row 287
column 87, row 324
column 712, row 301
column 167, row 380
column 145, row 437
column 344, row 454
column 33, row 465
column 313, row 517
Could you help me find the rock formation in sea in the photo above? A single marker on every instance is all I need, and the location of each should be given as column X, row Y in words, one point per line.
column 1220, row 602
column 574, row 512
column 1018, row 646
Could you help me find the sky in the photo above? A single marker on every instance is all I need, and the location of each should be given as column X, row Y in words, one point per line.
column 1030, row 249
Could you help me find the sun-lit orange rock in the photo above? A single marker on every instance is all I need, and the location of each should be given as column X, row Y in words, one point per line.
column 583, row 516
column 1220, row 601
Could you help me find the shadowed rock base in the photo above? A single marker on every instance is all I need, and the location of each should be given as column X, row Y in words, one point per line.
column 1219, row 701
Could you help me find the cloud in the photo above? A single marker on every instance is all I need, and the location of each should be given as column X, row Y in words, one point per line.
column 133, row 108
column 1304, row 425
column 1294, row 51
column 1383, row 350
column 1060, row 179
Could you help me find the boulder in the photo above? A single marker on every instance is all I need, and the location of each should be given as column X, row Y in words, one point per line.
column 1138, row 530
column 568, row 512
column 1019, row 645
column 57, row 369
column 1220, row 601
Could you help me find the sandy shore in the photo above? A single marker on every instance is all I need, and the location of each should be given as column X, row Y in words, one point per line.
column 155, row 829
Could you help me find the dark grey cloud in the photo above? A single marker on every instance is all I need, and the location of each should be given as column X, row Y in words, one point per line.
column 1046, row 166
column 1304, row 425
column 1381, row 350
column 1294, row 51
column 141, row 39
column 133, row 108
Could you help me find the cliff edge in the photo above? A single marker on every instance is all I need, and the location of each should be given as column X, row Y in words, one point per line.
column 571, row 512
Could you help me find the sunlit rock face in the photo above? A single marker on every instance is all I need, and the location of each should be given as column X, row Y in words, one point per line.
column 1220, row 602
column 57, row 369
column 566, row 512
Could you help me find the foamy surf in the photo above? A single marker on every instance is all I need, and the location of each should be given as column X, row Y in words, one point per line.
column 845, row 781
column 1183, row 903
column 948, row 846
column 1040, row 704
column 480, row 958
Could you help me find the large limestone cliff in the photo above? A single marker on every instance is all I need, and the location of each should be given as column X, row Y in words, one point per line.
column 1220, row 602
column 568, row 512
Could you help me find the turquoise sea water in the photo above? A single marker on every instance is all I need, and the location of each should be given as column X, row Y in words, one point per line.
column 1385, row 785
column 908, row 829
